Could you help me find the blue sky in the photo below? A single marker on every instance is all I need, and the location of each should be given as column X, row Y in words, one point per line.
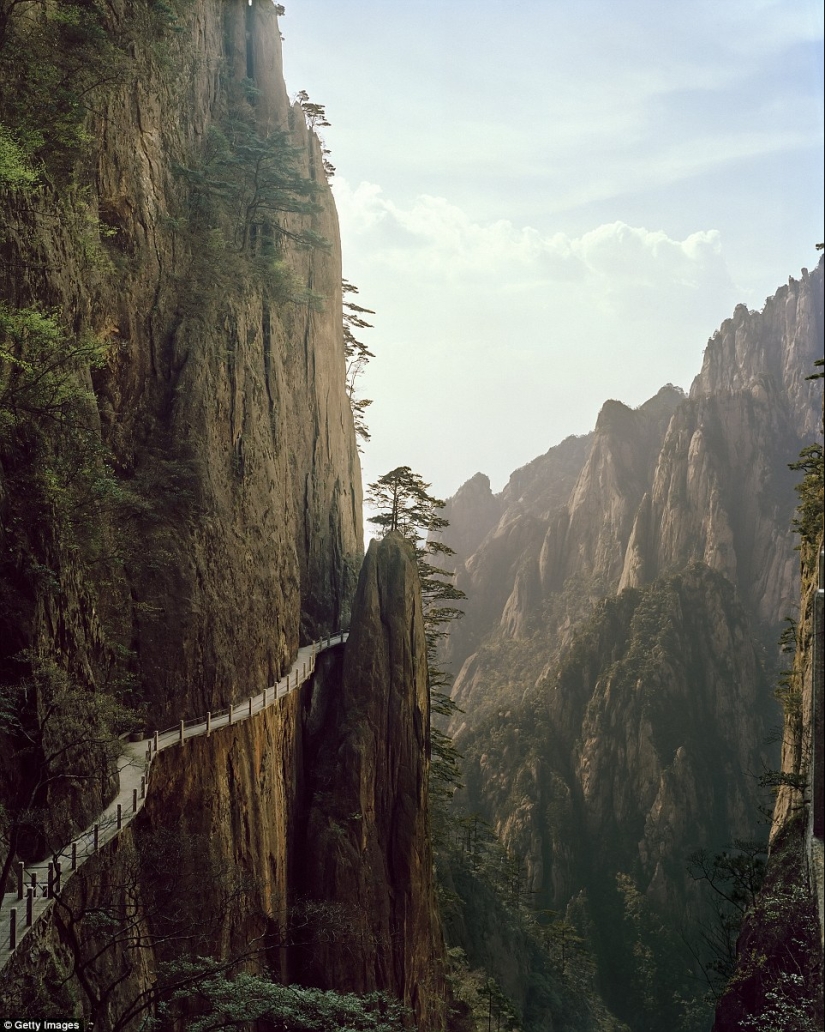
column 549, row 203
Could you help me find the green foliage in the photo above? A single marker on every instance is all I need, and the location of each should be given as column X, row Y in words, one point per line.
column 254, row 183
column 228, row 1002
column 47, row 415
column 402, row 503
column 16, row 172
column 493, row 931
column 54, row 59
column 564, row 944
column 808, row 520
column 357, row 355
column 48, row 435
column 314, row 113
column 41, row 368
column 63, row 739
column 661, row 988
column 167, row 15
column 481, row 999
column 316, row 117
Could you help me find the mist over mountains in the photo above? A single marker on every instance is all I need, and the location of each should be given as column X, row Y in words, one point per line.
column 625, row 595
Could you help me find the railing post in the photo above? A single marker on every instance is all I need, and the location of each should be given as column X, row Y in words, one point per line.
column 230, row 712
column 29, row 907
column 250, row 705
column 20, row 869
column 155, row 739
column 58, row 871
column 182, row 726
column 74, row 856
column 143, row 787
column 264, row 705
column 119, row 816
column 134, row 800
column 50, row 881
column 208, row 723
column 34, row 882
column 304, row 677
column 13, row 928
column 96, row 839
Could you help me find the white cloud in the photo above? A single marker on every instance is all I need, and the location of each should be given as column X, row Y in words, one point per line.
column 435, row 238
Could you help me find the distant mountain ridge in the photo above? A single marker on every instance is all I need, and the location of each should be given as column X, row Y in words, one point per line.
column 681, row 465
column 623, row 593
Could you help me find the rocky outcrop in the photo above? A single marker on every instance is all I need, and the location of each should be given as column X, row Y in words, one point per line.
column 722, row 492
column 607, row 494
column 472, row 512
column 779, row 344
column 367, row 840
column 633, row 750
column 651, row 490
column 544, row 484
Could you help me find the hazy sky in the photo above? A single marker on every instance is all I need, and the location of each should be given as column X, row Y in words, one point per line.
column 549, row 203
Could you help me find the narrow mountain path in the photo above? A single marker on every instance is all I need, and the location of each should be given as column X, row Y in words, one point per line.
column 39, row 882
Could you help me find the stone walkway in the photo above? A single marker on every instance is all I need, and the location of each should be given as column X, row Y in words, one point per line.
column 134, row 767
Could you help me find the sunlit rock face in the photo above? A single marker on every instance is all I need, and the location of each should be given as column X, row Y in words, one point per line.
column 367, row 840
column 778, row 344
column 680, row 479
column 224, row 405
column 722, row 491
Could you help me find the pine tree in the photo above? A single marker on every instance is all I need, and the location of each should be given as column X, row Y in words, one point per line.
column 357, row 355
column 403, row 503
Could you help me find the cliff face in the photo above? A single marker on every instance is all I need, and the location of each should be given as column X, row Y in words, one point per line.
column 778, row 975
column 367, row 837
column 777, row 344
column 722, row 487
column 197, row 512
column 221, row 398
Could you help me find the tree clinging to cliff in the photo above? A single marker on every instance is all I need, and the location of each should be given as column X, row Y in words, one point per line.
column 357, row 355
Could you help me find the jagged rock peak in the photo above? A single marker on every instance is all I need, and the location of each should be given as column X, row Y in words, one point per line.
column 780, row 343
column 472, row 512
column 614, row 414
column 664, row 400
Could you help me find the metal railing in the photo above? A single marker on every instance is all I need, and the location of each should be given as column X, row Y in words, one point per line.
column 37, row 884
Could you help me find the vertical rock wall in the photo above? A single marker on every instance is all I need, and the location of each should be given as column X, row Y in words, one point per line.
column 224, row 407
column 367, row 837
